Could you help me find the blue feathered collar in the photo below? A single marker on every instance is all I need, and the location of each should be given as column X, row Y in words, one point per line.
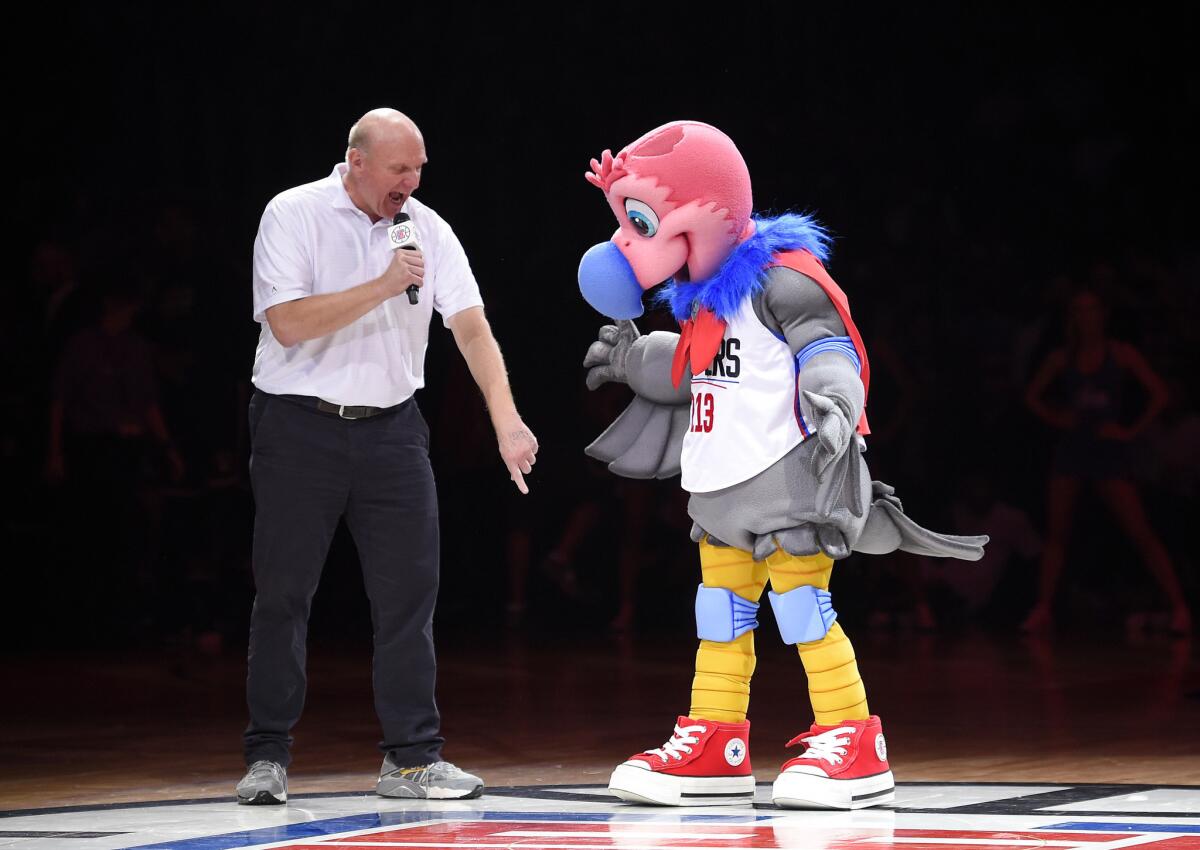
column 741, row 273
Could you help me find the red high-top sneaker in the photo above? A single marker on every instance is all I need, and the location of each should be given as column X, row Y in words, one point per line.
column 704, row 764
column 844, row 767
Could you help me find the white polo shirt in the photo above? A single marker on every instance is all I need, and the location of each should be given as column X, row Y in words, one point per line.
column 313, row 240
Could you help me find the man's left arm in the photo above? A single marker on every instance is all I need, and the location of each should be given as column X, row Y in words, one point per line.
column 518, row 446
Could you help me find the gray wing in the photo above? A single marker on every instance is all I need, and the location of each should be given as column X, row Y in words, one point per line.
column 645, row 441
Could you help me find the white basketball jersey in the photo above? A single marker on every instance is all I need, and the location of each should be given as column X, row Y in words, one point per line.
column 745, row 414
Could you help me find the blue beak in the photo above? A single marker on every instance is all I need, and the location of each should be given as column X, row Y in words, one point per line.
column 608, row 283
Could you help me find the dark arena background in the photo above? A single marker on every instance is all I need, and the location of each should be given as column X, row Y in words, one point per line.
column 990, row 176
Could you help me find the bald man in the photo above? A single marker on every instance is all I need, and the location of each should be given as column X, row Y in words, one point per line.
column 335, row 431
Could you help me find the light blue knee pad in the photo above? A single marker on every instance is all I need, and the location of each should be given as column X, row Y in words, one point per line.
column 804, row 613
column 722, row 615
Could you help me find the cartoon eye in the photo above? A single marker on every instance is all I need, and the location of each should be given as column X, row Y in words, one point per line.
column 644, row 220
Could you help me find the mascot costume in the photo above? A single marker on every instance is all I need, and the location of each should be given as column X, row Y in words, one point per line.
column 758, row 402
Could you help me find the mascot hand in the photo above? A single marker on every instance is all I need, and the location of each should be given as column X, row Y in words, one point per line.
column 833, row 431
column 605, row 360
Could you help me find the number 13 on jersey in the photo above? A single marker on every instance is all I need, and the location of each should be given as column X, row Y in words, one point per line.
column 702, row 413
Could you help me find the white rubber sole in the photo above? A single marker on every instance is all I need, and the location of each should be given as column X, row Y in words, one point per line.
column 638, row 785
column 263, row 798
column 400, row 792
column 807, row 791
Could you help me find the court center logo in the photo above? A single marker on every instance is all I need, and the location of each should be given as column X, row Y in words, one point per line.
column 735, row 752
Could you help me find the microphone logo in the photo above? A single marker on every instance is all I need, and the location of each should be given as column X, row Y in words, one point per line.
column 401, row 234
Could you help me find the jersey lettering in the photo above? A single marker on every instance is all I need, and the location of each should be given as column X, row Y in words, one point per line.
column 726, row 364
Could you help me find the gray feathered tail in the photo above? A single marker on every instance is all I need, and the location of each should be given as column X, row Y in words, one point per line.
column 888, row 528
column 645, row 441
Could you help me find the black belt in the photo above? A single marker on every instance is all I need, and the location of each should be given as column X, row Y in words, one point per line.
column 345, row 411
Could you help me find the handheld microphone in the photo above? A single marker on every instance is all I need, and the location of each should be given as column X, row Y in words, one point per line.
column 403, row 236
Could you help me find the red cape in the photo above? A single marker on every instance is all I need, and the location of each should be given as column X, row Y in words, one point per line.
column 700, row 338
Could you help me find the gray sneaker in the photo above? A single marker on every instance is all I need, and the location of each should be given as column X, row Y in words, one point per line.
column 265, row 784
column 438, row 781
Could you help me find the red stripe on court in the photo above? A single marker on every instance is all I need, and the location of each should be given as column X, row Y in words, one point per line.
column 783, row 834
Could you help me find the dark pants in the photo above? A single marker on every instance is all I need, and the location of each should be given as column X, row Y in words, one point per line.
column 308, row 469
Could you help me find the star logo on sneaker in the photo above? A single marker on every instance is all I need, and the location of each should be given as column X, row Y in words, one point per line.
column 881, row 747
column 735, row 752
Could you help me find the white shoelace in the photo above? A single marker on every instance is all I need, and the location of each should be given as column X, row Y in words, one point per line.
column 830, row 746
column 679, row 743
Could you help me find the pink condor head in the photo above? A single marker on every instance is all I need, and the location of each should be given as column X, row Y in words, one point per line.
column 681, row 195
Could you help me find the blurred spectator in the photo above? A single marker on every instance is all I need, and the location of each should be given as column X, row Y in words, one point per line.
column 49, row 310
column 982, row 591
column 1172, row 461
column 56, row 295
column 630, row 524
column 104, row 394
column 192, row 290
column 1078, row 391
column 104, row 424
column 479, row 548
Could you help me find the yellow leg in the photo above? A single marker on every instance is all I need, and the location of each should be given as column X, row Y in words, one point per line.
column 721, row 689
column 834, row 686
